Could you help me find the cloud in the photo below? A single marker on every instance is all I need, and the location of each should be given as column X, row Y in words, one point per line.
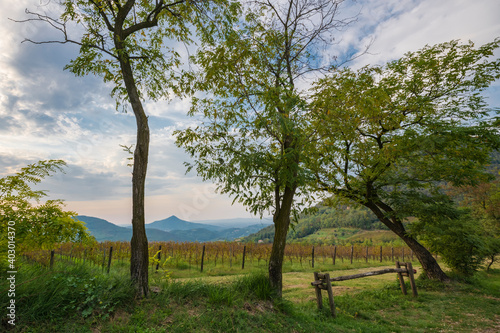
column 8, row 123
column 411, row 25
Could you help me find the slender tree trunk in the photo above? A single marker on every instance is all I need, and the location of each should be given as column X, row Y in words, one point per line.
column 429, row 264
column 281, row 224
column 139, row 258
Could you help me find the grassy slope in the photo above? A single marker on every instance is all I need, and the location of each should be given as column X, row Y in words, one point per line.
column 351, row 235
column 240, row 304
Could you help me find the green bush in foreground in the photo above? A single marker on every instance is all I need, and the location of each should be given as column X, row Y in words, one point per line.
column 66, row 291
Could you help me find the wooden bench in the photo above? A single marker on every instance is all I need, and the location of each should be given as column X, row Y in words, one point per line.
column 322, row 281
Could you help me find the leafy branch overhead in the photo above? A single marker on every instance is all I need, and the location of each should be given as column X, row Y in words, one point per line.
column 146, row 33
column 415, row 121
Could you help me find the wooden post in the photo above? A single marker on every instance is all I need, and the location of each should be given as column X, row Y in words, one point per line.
column 330, row 294
column 319, row 298
column 312, row 262
column 109, row 258
column 380, row 253
column 51, row 259
column 401, row 281
column 334, row 253
column 103, row 258
column 403, row 254
column 412, row 279
column 202, row 257
column 392, row 253
column 159, row 258
column 367, row 254
column 352, row 252
column 243, row 260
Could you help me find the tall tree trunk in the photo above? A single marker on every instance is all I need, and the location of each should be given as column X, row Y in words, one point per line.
column 139, row 258
column 281, row 221
column 429, row 264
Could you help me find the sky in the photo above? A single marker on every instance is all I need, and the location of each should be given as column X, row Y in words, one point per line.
column 48, row 113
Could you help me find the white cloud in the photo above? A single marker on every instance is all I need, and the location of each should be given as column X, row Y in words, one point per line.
column 429, row 22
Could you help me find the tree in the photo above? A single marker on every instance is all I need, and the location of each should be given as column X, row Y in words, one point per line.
column 391, row 136
column 255, row 134
column 124, row 42
column 483, row 201
column 38, row 226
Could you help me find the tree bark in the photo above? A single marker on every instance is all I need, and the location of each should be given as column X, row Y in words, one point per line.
column 139, row 256
column 281, row 221
column 429, row 264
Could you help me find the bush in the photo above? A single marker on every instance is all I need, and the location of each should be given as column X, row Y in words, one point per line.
column 460, row 241
column 67, row 291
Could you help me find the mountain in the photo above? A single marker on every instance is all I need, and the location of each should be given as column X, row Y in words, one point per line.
column 103, row 230
column 175, row 223
column 170, row 229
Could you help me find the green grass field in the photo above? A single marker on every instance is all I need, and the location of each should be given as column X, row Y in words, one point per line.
column 81, row 298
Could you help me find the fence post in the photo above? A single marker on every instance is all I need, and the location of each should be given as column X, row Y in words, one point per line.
column 159, row 258
column 202, row 258
column 312, row 262
column 319, row 298
column 352, row 252
column 243, row 260
column 103, row 258
column 380, row 253
column 392, row 253
column 367, row 254
column 51, row 259
column 109, row 258
column 403, row 254
column 334, row 253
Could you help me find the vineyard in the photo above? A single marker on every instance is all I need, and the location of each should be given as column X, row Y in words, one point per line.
column 222, row 255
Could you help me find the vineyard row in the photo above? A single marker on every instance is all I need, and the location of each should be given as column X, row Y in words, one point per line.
column 220, row 253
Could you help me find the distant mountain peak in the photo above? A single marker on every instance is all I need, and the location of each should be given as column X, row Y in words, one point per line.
column 174, row 223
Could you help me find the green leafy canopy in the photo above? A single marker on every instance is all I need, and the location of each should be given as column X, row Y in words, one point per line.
column 153, row 33
column 408, row 126
column 37, row 225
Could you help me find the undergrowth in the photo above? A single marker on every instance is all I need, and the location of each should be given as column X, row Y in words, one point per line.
column 79, row 298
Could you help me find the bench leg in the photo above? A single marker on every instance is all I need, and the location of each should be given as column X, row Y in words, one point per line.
column 412, row 279
column 317, row 289
column 401, row 281
column 330, row 294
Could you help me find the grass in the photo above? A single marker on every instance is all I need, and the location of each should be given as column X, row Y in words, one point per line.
column 77, row 298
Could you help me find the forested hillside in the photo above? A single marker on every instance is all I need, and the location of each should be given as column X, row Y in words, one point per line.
column 342, row 216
